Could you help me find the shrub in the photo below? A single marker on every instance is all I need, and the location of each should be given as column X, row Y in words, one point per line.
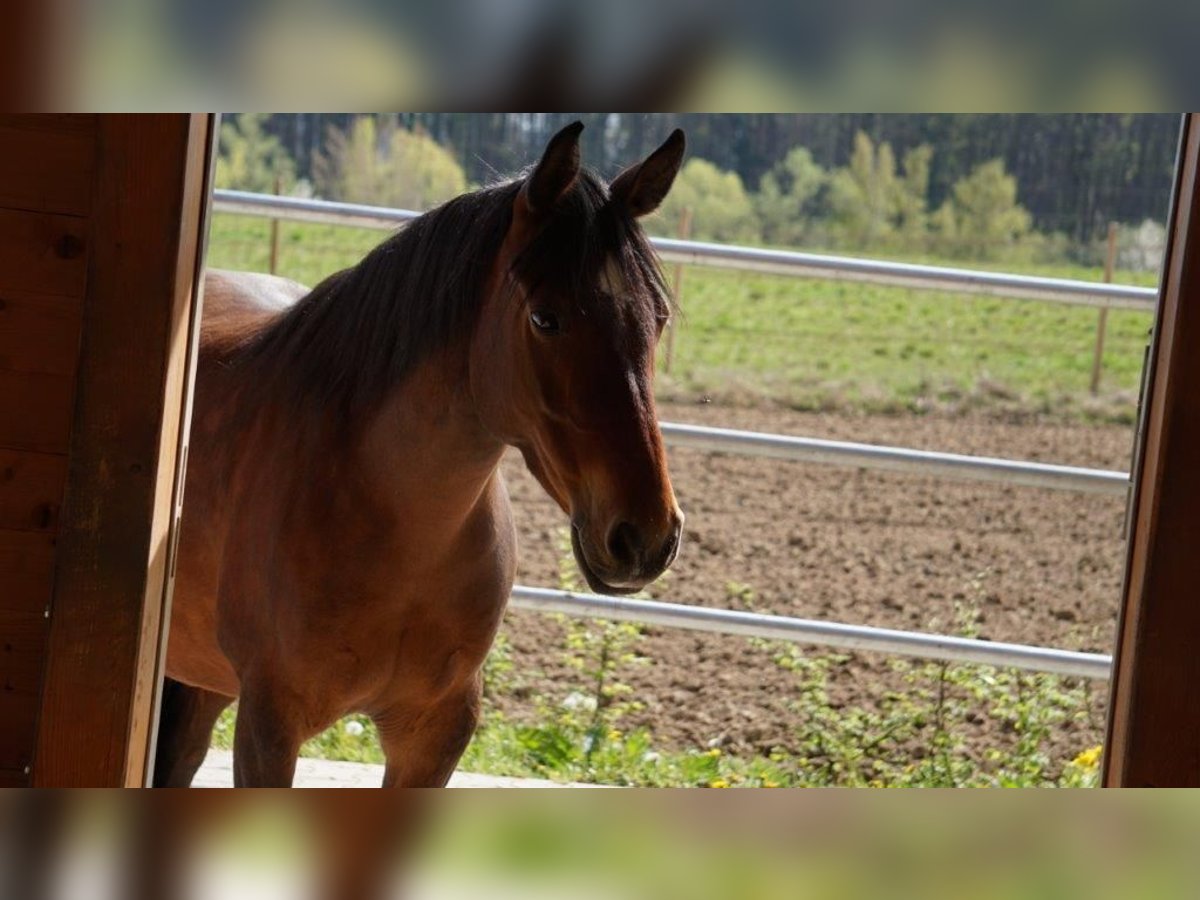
column 387, row 166
column 250, row 159
column 982, row 220
column 721, row 208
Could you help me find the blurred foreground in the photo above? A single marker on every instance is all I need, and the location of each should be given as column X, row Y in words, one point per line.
column 570, row 845
column 155, row 54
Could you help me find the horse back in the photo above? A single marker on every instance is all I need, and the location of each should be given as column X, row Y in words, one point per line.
column 238, row 305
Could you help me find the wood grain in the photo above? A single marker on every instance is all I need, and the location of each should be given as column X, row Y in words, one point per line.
column 31, row 488
column 35, row 411
column 42, row 253
column 39, row 333
column 48, row 164
column 111, row 579
column 26, row 571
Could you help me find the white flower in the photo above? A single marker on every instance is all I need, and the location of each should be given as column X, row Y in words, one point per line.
column 650, row 756
column 353, row 728
column 576, row 700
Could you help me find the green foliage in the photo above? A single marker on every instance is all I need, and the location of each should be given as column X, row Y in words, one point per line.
column 861, row 195
column 911, row 199
column 786, row 200
column 249, row 159
column 874, row 206
column 982, row 219
column 388, row 166
column 721, row 208
column 918, row 738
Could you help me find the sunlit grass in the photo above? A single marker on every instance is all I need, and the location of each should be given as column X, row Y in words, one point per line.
column 828, row 344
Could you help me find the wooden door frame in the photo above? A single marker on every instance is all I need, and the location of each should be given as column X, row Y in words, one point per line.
column 111, row 604
column 1153, row 736
column 114, row 570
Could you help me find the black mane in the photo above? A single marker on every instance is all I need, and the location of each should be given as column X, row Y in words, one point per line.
column 359, row 332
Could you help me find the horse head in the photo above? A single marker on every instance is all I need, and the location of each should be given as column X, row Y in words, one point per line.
column 562, row 358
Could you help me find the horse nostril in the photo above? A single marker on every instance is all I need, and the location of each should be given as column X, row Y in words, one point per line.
column 623, row 544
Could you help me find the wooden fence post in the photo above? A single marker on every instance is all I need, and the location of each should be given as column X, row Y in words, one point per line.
column 274, row 264
column 685, row 232
column 1110, row 259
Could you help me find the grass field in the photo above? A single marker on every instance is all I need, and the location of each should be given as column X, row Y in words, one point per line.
column 829, row 344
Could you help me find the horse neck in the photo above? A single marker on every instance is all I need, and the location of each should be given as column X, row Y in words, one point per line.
column 426, row 445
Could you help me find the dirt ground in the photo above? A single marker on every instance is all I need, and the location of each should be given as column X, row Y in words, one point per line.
column 1036, row 566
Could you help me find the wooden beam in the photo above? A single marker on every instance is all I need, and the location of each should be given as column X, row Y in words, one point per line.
column 49, row 163
column 119, row 514
column 1154, row 713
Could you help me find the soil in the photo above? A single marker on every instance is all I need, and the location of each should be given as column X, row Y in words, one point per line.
column 1030, row 565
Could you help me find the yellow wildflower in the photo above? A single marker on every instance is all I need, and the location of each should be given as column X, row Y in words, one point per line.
column 715, row 751
column 719, row 783
column 1090, row 758
column 614, row 735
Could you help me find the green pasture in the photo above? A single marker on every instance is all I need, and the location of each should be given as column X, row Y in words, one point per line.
column 816, row 344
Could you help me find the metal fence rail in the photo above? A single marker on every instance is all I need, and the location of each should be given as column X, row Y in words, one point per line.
column 897, row 459
column 812, row 631
column 751, row 259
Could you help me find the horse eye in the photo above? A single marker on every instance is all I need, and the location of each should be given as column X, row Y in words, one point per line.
column 545, row 322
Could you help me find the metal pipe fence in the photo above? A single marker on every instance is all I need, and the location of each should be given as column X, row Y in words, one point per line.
column 813, row 450
column 812, row 631
column 896, row 459
column 750, row 259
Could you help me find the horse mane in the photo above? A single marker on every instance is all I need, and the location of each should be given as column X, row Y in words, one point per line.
column 357, row 334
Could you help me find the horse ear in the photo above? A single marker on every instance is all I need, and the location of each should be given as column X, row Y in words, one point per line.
column 555, row 172
column 642, row 187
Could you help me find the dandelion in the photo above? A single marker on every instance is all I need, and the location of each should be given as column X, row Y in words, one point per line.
column 353, row 728
column 651, row 757
column 615, row 735
column 1090, row 758
column 714, row 752
column 770, row 784
column 719, row 783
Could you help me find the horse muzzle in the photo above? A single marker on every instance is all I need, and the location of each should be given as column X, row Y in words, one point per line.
column 627, row 558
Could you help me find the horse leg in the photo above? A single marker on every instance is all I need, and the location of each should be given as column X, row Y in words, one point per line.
column 184, row 731
column 267, row 737
column 423, row 746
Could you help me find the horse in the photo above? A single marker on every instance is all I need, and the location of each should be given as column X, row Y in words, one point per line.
column 347, row 543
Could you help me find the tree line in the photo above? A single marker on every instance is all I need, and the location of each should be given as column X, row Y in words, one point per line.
column 962, row 186
column 1077, row 172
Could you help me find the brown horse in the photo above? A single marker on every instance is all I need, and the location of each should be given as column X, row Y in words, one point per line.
column 347, row 543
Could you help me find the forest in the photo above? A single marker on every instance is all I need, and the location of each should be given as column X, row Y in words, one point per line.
column 1040, row 187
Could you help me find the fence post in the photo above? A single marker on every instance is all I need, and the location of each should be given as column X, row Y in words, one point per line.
column 1110, row 259
column 685, row 232
column 274, row 263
